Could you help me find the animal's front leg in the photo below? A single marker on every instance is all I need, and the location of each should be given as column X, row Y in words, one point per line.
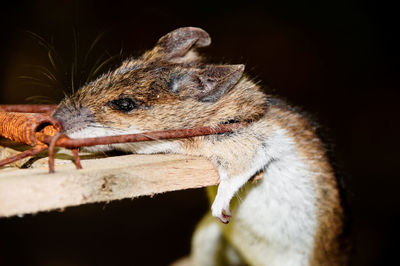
column 237, row 157
column 227, row 188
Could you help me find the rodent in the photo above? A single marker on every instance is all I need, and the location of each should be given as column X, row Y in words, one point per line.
column 293, row 216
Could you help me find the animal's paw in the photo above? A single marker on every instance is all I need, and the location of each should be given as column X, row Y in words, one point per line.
column 224, row 214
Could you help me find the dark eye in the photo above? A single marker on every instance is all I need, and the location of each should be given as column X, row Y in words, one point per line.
column 123, row 104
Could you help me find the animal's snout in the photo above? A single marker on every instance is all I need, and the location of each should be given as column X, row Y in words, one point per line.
column 73, row 118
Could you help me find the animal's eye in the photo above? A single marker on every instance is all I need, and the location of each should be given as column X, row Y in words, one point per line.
column 123, row 104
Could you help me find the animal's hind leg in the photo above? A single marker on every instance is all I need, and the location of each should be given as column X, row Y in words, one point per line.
column 209, row 246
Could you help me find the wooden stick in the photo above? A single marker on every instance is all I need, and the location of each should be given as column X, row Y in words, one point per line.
column 25, row 191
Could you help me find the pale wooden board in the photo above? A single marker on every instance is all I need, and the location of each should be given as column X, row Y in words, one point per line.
column 24, row 191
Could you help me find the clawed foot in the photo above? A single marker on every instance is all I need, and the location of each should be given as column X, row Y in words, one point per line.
column 223, row 214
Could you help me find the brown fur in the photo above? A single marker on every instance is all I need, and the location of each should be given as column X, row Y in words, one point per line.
column 329, row 249
column 147, row 80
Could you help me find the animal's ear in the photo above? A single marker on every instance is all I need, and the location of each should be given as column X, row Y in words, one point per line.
column 177, row 44
column 216, row 80
column 207, row 84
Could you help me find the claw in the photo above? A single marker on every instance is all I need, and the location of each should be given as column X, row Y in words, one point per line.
column 224, row 216
column 227, row 212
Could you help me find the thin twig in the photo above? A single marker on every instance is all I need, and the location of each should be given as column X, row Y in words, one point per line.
column 31, row 152
column 43, row 130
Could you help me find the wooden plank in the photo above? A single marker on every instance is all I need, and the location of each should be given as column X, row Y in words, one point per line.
column 24, row 191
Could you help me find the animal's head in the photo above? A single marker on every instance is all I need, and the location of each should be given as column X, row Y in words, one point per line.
column 167, row 87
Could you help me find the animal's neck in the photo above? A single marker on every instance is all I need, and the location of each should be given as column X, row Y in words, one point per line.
column 245, row 102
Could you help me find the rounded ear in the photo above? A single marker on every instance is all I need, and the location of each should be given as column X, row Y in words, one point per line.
column 207, row 84
column 216, row 80
column 179, row 42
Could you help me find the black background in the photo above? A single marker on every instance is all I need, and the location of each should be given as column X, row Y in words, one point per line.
column 338, row 60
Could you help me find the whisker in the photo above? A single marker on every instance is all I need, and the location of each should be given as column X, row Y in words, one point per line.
column 90, row 75
column 94, row 43
column 72, row 79
column 51, row 59
column 40, row 99
column 105, row 62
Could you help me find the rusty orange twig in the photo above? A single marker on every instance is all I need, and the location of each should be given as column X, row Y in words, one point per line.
column 77, row 159
column 66, row 142
column 31, row 152
column 22, row 127
column 28, row 108
column 43, row 131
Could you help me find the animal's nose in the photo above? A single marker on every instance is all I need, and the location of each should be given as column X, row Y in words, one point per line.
column 72, row 118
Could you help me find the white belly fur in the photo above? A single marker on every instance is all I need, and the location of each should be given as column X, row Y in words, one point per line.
column 274, row 221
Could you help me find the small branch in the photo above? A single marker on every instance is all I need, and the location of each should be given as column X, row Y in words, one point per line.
column 28, row 108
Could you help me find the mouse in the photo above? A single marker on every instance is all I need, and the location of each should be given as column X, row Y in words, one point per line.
column 292, row 216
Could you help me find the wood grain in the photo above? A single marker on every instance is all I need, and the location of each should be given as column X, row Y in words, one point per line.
column 24, row 191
